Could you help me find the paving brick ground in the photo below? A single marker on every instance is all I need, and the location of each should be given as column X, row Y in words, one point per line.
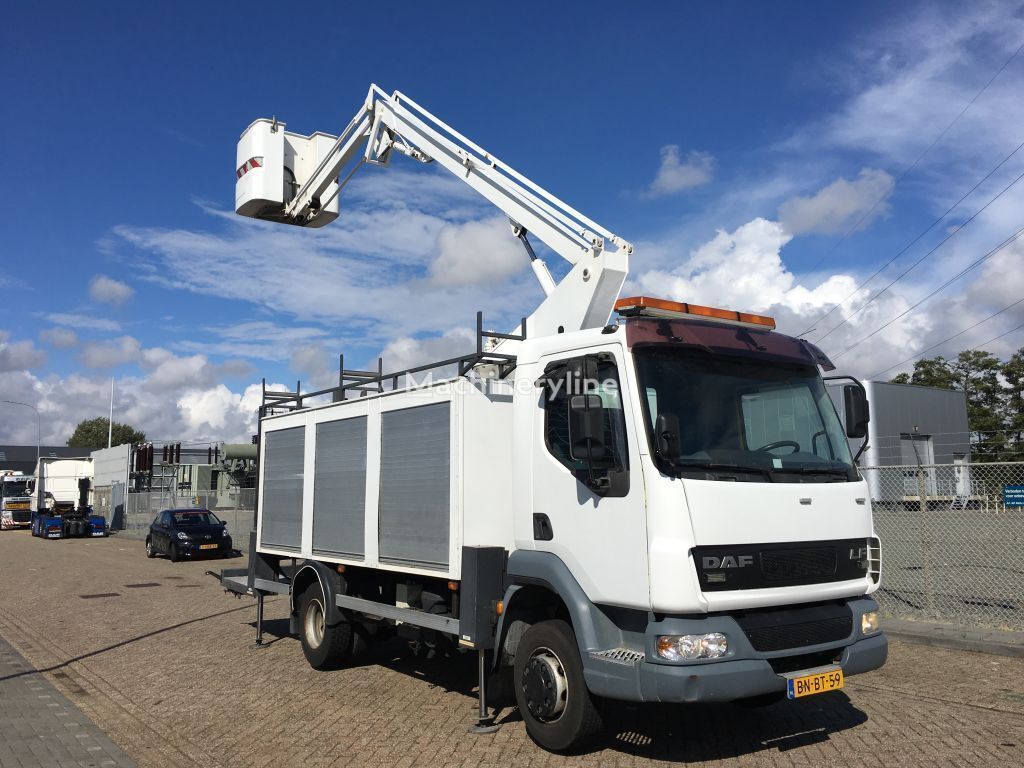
column 159, row 658
column 41, row 728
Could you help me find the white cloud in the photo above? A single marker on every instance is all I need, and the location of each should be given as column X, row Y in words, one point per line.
column 197, row 414
column 676, row 175
column 744, row 270
column 477, row 252
column 840, row 205
column 316, row 365
column 83, row 322
column 907, row 81
column 110, row 353
column 60, row 338
column 18, row 355
column 384, row 269
column 262, row 330
column 409, row 352
column 109, row 291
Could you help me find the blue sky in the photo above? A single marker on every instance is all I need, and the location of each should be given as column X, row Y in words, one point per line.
column 750, row 151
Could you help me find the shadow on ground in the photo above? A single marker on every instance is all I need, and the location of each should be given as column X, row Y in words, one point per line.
column 681, row 733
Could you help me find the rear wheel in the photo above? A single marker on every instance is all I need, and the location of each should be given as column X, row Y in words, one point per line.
column 150, row 552
column 552, row 695
column 324, row 646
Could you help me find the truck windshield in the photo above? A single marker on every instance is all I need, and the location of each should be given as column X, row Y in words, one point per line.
column 14, row 488
column 724, row 417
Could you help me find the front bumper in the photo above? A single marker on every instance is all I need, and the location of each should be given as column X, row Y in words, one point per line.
column 194, row 548
column 731, row 680
column 742, row 673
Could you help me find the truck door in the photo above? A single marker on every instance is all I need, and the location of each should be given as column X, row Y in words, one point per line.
column 601, row 537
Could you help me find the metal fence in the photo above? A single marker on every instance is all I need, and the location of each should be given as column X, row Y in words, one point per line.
column 952, row 538
column 234, row 507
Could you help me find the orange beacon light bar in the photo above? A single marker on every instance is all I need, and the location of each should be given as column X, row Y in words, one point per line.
column 645, row 306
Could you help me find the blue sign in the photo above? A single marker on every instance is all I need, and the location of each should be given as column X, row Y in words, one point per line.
column 1013, row 495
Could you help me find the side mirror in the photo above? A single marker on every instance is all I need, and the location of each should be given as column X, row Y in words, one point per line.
column 857, row 411
column 666, row 435
column 586, row 428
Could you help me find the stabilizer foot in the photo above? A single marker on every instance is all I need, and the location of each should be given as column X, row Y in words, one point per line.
column 484, row 726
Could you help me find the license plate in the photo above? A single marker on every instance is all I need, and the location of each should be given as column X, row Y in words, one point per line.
column 18, row 505
column 207, row 546
column 808, row 685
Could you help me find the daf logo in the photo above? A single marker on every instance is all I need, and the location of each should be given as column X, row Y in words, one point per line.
column 728, row 561
column 858, row 554
column 208, row 537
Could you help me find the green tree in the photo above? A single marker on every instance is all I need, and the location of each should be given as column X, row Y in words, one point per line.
column 930, row 372
column 91, row 434
column 1013, row 373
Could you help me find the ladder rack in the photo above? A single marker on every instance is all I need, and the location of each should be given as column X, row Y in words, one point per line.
column 366, row 382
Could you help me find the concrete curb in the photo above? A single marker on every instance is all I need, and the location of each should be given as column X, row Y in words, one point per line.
column 1001, row 643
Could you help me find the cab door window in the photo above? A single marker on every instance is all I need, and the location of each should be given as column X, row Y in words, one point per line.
column 556, row 421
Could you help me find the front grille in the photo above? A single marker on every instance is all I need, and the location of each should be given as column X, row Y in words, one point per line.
column 775, row 564
column 780, row 638
column 796, row 627
column 793, row 564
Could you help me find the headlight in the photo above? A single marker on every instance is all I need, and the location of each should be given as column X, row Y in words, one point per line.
column 182, row 535
column 869, row 622
column 691, row 647
column 225, row 534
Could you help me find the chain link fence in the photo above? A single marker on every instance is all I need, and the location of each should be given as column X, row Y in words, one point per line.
column 234, row 506
column 952, row 538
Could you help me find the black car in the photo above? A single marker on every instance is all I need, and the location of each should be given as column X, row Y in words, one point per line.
column 188, row 533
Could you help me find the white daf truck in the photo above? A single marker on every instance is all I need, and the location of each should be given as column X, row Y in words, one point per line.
column 659, row 506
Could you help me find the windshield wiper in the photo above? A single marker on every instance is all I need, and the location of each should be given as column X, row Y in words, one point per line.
column 716, row 467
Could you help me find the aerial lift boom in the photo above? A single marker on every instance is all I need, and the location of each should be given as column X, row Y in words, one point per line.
column 296, row 179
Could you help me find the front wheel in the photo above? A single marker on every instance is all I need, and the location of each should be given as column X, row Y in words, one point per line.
column 552, row 695
column 173, row 553
column 323, row 645
column 150, row 552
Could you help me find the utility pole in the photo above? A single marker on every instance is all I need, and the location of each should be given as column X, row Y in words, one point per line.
column 110, row 421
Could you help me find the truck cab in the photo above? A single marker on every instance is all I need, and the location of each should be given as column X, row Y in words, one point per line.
column 15, row 504
column 718, row 532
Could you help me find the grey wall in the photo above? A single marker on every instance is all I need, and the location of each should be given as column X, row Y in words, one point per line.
column 110, row 465
column 898, row 408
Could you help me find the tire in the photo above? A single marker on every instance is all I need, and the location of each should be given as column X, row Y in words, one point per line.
column 552, row 695
column 325, row 647
column 173, row 553
column 150, row 552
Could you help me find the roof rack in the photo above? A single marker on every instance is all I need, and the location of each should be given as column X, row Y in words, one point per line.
column 366, row 382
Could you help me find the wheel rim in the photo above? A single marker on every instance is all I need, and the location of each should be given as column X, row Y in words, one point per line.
column 545, row 686
column 149, row 547
column 315, row 623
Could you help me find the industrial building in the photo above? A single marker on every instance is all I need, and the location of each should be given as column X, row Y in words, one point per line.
column 914, row 427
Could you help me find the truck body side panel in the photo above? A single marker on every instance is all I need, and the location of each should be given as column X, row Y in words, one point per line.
column 415, row 480
column 339, row 490
column 383, row 481
column 282, row 492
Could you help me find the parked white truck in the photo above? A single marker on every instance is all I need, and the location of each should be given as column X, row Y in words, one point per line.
column 660, row 507
column 15, row 504
column 64, row 486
